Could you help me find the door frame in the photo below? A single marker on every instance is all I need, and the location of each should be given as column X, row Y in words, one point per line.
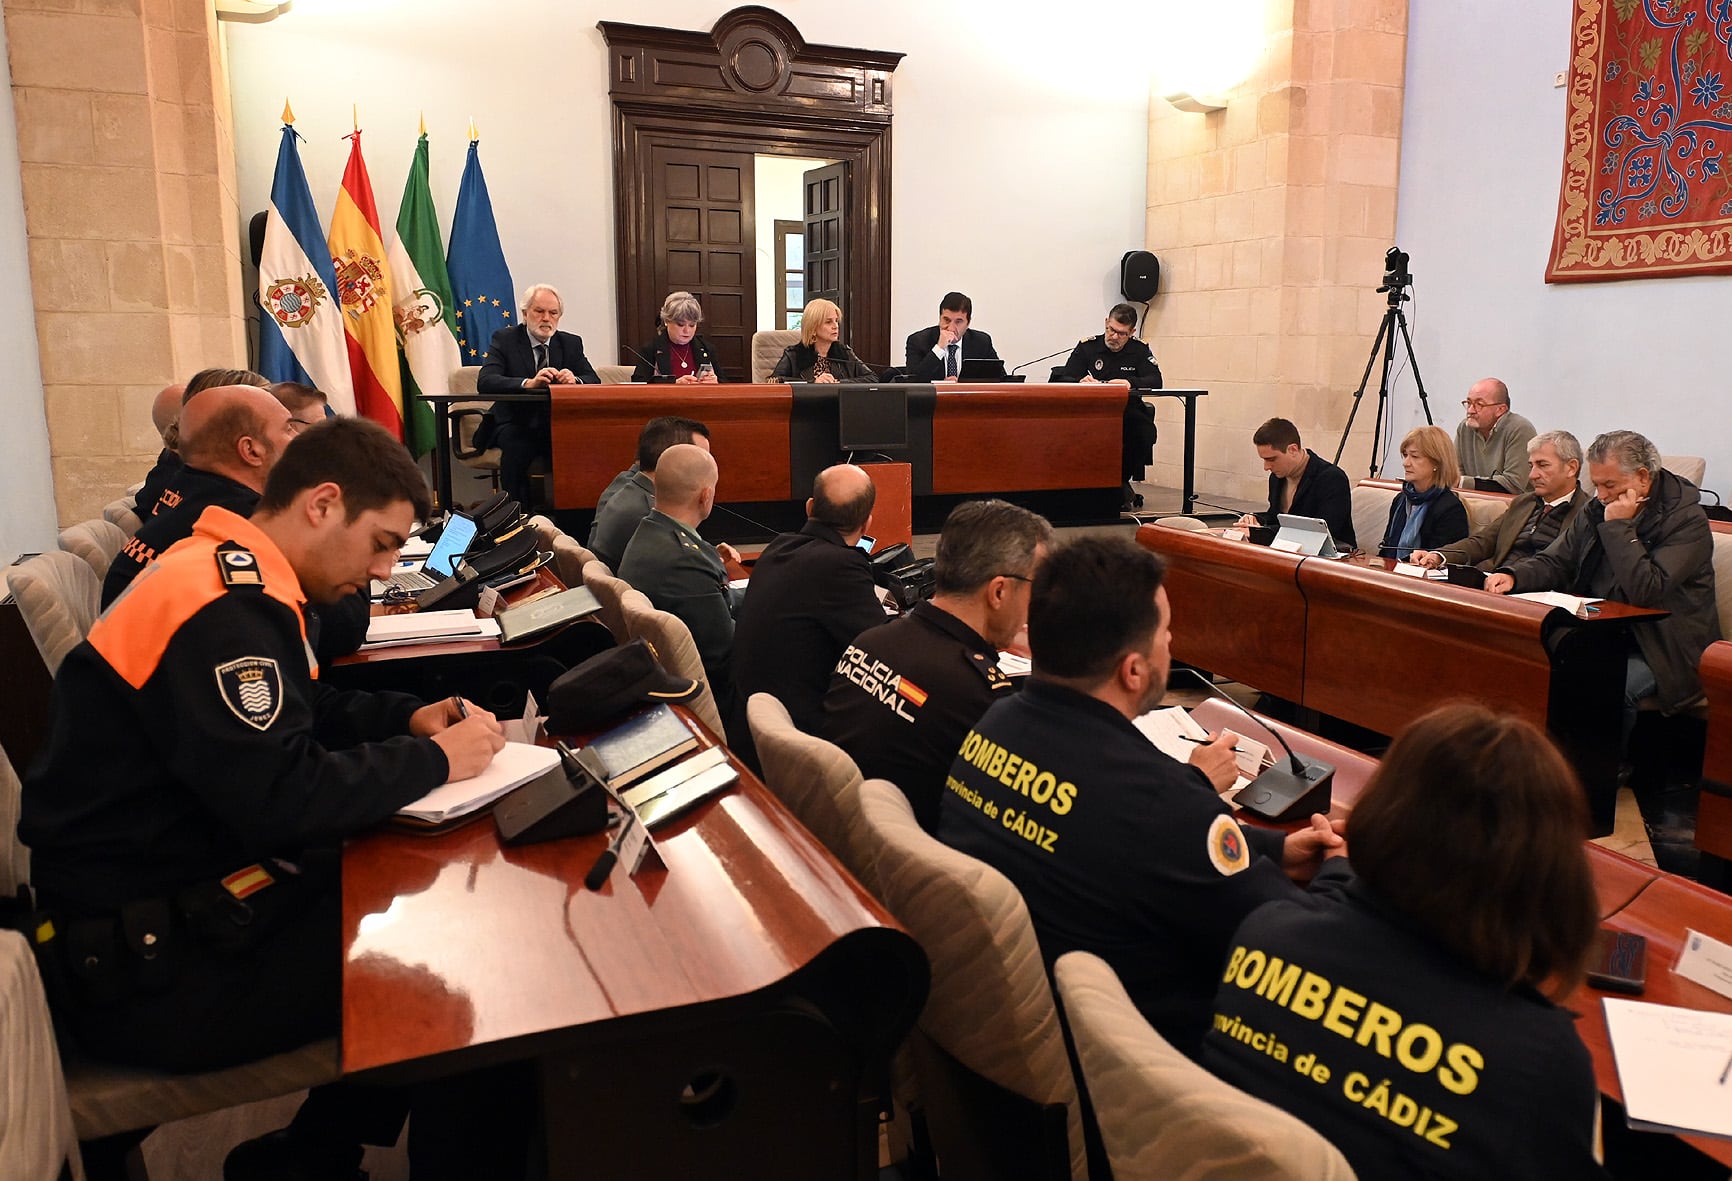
column 753, row 84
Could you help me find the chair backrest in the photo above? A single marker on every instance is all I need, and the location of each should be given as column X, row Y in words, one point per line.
column 615, row 374
column 990, row 1006
column 1482, row 508
column 1188, row 524
column 1160, row 1114
column 569, row 555
column 59, row 596
column 1723, row 581
column 123, row 512
column 610, row 592
column 1371, row 513
column 816, row 779
column 674, row 646
column 36, row 1136
column 95, row 541
column 14, row 856
column 1691, row 467
column 767, row 349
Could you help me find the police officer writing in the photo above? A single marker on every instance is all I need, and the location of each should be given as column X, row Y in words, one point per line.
column 1116, row 848
column 1405, row 1017
column 197, row 779
column 1117, row 357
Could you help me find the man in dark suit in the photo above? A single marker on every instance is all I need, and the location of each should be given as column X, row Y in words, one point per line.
column 1533, row 519
column 811, row 593
column 937, row 353
column 1301, row 483
column 531, row 356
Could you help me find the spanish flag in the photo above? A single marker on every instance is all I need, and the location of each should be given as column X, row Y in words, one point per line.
column 364, row 289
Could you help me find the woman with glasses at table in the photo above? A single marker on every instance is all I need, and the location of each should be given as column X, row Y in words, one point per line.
column 1426, row 513
column 821, row 356
column 1415, row 989
column 678, row 354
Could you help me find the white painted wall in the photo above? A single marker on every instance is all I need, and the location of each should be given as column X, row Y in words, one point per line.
column 1019, row 141
column 26, row 482
column 1481, row 159
column 778, row 193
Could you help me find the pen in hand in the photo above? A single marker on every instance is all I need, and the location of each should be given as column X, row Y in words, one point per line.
column 1204, row 741
column 462, row 710
column 1725, row 1071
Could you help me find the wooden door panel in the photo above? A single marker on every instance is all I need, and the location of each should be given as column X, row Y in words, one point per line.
column 703, row 214
column 825, row 192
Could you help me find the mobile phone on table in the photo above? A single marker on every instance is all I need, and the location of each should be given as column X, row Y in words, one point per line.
column 1619, row 962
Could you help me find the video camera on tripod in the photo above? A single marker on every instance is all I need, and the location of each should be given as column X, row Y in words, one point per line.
column 1397, row 278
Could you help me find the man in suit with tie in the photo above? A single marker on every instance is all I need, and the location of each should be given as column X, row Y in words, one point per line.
column 1533, row 519
column 936, row 354
column 530, row 356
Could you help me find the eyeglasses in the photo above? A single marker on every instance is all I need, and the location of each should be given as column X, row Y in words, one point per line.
column 1118, row 333
column 1476, row 404
column 297, row 425
column 1018, row 577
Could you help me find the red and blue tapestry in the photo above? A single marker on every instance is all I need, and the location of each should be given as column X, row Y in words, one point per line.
column 1647, row 189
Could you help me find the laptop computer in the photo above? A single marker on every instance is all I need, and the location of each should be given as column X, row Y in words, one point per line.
column 982, row 369
column 453, row 543
column 1305, row 535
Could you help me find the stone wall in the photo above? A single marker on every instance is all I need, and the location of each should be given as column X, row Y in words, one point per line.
column 1271, row 219
column 127, row 163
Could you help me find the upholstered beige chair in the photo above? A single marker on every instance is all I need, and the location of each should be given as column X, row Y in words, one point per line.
column 58, row 595
column 997, row 1086
column 1691, row 467
column 1371, row 514
column 610, row 592
column 1723, row 580
column 14, row 857
column 674, row 646
column 816, row 780
column 1164, row 1118
column 36, row 1136
column 569, row 555
column 767, row 349
column 615, row 374
column 124, row 513
column 1188, row 524
column 96, row 542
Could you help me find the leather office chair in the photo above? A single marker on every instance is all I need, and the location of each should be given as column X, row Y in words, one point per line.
column 767, row 349
column 465, row 417
column 610, row 592
column 123, row 512
column 816, row 780
column 36, row 1136
column 569, row 555
column 615, row 374
column 1188, row 524
column 997, row 1086
column 97, row 542
column 1691, row 467
column 1160, row 1114
column 58, row 594
column 1371, row 512
column 676, row 650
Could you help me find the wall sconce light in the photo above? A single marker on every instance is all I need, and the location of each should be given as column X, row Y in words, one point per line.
column 1196, row 104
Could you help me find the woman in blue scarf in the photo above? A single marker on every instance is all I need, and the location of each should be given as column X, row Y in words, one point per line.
column 1426, row 513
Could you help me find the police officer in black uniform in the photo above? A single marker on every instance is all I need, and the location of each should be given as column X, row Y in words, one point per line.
column 196, row 782
column 1117, row 849
column 1117, row 355
column 905, row 692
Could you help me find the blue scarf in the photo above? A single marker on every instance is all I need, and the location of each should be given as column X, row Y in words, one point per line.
column 1410, row 511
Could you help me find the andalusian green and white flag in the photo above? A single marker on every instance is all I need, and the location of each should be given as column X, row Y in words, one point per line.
column 426, row 328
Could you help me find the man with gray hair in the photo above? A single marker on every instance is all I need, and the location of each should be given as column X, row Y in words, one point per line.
column 527, row 358
column 905, row 693
column 1644, row 541
column 1533, row 520
column 1491, row 440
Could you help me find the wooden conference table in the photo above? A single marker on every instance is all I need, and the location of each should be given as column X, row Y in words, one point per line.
column 1714, row 812
column 1633, row 897
column 730, row 1014
column 1351, row 640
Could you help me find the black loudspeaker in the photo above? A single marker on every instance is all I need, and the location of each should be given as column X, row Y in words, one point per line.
column 1139, row 276
column 256, row 235
column 558, row 804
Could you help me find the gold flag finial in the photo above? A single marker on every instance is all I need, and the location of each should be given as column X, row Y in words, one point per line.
column 473, row 134
column 355, row 115
column 423, row 122
column 288, row 112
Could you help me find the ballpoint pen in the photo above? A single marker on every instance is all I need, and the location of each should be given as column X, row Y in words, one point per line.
column 1201, row 741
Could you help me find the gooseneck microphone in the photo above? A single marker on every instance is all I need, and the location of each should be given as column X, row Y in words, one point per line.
column 1048, row 357
column 655, row 370
column 1280, row 793
column 722, row 508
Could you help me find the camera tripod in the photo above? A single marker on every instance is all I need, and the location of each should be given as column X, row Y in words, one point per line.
column 1394, row 284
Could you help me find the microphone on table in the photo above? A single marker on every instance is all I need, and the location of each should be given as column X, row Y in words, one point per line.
column 722, row 508
column 655, row 370
column 1048, row 357
column 1280, row 793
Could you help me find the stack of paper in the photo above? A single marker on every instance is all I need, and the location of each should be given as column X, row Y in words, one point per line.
column 1172, row 730
column 422, row 627
column 1571, row 603
column 1672, row 1067
column 514, row 765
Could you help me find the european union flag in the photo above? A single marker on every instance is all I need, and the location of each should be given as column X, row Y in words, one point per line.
column 481, row 289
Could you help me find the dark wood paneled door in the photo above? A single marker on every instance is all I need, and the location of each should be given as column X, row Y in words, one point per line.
column 826, row 196
column 704, row 240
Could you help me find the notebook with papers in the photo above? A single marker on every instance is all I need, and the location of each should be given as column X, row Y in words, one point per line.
column 441, row 563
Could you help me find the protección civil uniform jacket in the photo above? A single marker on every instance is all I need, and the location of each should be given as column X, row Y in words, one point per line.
column 1406, row 1058
column 190, row 735
column 1116, row 848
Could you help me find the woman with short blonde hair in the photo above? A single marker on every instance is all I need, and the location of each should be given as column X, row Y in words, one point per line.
column 820, row 356
column 1426, row 514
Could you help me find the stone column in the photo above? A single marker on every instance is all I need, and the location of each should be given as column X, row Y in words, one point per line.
column 1271, row 219
column 127, row 161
